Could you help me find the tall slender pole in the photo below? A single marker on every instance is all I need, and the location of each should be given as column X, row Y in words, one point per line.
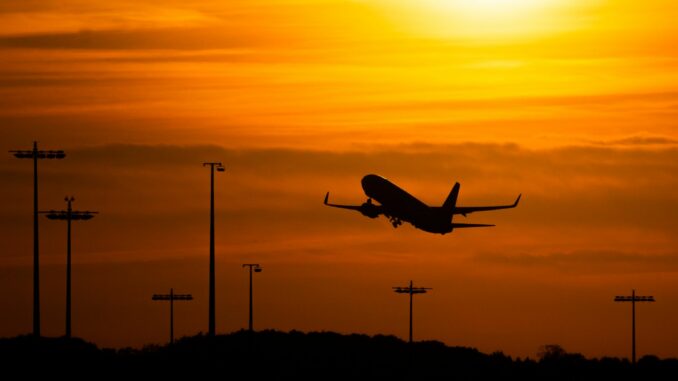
column 36, row 247
column 69, row 215
column 212, row 301
column 171, row 297
column 212, row 318
column 35, row 155
column 253, row 267
column 251, row 326
column 411, row 312
column 68, row 266
column 633, row 327
column 411, row 290
column 633, row 299
column 171, row 316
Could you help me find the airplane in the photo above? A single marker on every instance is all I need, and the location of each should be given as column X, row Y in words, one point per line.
column 398, row 206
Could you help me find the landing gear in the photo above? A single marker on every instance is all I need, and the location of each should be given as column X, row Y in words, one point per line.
column 395, row 222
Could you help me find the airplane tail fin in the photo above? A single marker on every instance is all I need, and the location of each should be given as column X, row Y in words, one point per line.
column 451, row 200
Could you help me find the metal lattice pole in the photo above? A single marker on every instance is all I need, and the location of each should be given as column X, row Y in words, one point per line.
column 35, row 155
column 633, row 299
column 411, row 290
column 69, row 215
column 171, row 297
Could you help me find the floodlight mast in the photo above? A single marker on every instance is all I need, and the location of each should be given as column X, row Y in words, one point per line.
column 36, row 154
column 257, row 268
column 212, row 304
column 68, row 215
column 633, row 299
column 411, row 291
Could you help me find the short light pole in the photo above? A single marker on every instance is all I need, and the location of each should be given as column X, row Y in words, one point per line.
column 633, row 299
column 171, row 297
column 69, row 215
column 212, row 304
column 257, row 269
column 411, row 291
column 35, row 155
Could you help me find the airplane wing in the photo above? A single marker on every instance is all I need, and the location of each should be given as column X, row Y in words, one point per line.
column 352, row 207
column 464, row 210
column 455, row 225
column 368, row 209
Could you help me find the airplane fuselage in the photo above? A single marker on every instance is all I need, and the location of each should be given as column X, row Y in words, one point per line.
column 399, row 205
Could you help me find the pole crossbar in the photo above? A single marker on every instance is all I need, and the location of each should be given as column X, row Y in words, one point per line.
column 633, row 299
column 411, row 290
column 171, row 297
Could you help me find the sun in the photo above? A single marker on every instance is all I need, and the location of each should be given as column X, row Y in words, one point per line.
column 505, row 7
column 480, row 19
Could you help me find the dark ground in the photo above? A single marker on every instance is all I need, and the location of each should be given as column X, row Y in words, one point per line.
column 279, row 355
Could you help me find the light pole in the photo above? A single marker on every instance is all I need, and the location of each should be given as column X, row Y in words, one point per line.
column 172, row 297
column 633, row 299
column 36, row 154
column 68, row 215
column 411, row 291
column 212, row 315
column 257, row 269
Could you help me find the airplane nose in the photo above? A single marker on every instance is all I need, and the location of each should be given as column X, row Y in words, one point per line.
column 367, row 181
column 370, row 183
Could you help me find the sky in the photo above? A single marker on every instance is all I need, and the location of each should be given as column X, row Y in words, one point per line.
column 571, row 103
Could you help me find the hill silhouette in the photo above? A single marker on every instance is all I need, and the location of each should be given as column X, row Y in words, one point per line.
column 275, row 354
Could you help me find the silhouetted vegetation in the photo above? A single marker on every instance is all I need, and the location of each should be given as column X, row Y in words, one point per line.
column 274, row 354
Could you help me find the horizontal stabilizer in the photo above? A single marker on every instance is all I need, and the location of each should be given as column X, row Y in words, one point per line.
column 455, row 225
column 464, row 210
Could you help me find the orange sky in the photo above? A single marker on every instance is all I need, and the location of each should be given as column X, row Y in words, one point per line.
column 572, row 103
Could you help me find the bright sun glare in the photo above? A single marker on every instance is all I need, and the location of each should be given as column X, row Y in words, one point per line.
column 485, row 6
column 481, row 19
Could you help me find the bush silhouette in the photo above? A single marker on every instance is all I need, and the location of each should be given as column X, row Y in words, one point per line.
column 275, row 354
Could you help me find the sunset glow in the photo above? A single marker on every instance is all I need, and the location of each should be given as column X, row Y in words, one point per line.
column 488, row 20
column 490, row 9
column 574, row 104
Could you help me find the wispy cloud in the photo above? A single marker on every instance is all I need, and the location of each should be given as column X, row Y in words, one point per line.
column 586, row 261
column 584, row 189
column 639, row 140
column 175, row 38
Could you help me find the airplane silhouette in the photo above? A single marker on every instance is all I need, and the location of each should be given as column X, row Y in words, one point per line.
column 398, row 206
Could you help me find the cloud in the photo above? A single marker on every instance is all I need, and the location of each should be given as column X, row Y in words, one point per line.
column 575, row 187
column 586, row 261
column 592, row 101
column 176, row 25
column 153, row 199
column 167, row 38
column 639, row 140
column 443, row 162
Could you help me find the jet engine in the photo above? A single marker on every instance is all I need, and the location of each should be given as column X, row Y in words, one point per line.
column 369, row 209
